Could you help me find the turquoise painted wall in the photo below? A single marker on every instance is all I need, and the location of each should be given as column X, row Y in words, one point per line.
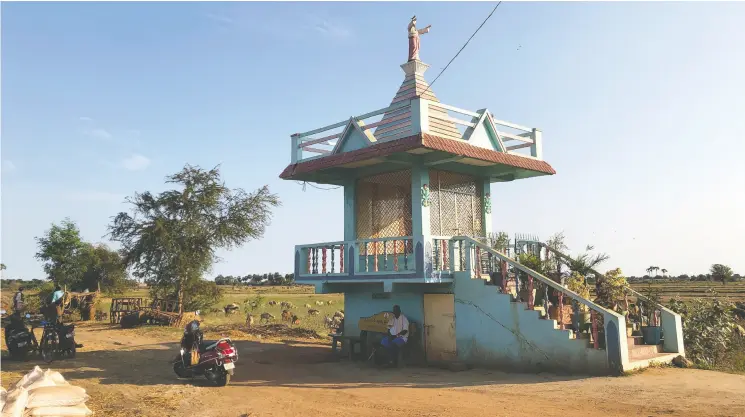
column 362, row 304
column 493, row 331
column 353, row 139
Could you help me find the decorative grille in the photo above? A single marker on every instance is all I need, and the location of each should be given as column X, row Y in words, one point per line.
column 456, row 206
column 384, row 206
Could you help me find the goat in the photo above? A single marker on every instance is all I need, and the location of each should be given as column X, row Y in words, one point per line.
column 319, row 303
column 249, row 320
column 286, row 316
column 339, row 314
column 231, row 309
column 272, row 303
column 313, row 312
column 307, row 305
column 330, row 302
column 286, row 304
column 267, row 317
column 328, row 322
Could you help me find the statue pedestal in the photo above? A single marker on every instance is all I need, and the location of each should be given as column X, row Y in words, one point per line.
column 415, row 67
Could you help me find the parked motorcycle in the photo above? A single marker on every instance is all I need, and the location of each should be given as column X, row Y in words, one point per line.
column 18, row 338
column 213, row 359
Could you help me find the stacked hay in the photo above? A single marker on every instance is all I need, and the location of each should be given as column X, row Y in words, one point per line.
column 44, row 394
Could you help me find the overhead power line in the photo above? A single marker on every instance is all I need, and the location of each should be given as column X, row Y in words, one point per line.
column 463, row 47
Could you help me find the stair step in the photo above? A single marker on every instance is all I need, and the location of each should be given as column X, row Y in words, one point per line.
column 638, row 351
column 634, row 341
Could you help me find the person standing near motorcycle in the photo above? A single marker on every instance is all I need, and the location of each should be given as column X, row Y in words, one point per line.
column 18, row 301
column 54, row 307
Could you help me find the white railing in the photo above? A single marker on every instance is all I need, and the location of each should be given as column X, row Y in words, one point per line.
column 412, row 116
column 382, row 256
column 322, row 141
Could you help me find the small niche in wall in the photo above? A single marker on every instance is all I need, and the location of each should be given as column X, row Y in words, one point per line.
column 381, row 295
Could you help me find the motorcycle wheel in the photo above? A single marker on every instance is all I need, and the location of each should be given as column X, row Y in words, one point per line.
column 222, row 379
column 180, row 370
column 48, row 347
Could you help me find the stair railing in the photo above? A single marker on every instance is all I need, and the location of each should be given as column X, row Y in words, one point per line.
column 671, row 322
column 468, row 250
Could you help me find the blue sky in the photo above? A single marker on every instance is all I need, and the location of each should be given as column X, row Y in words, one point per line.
column 642, row 107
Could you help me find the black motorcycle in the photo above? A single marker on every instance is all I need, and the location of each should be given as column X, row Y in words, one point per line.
column 57, row 340
column 19, row 339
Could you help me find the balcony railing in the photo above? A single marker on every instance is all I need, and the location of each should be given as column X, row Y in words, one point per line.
column 383, row 256
column 412, row 116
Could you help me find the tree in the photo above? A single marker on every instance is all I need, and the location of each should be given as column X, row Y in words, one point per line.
column 721, row 272
column 171, row 238
column 664, row 271
column 2, row 267
column 106, row 268
column 63, row 252
column 650, row 270
column 585, row 263
column 499, row 241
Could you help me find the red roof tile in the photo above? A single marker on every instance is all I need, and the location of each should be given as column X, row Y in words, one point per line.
column 413, row 142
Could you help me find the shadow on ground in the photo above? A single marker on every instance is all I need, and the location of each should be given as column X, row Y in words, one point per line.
column 287, row 364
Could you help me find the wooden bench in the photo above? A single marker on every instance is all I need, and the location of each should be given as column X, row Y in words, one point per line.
column 375, row 327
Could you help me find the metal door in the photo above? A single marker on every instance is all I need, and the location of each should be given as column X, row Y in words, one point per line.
column 439, row 327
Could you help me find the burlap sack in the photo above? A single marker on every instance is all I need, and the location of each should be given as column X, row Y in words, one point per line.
column 30, row 377
column 16, row 403
column 69, row 411
column 56, row 396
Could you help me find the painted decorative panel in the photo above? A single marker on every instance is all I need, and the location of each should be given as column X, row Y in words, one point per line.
column 456, row 207
column 384, row 205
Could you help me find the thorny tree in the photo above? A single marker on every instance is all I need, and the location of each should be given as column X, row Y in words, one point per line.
column 171, row 238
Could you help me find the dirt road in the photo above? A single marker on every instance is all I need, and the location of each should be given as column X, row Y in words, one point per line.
column 127, row 373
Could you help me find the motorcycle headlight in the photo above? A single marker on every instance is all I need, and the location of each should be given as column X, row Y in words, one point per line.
column 182, row 351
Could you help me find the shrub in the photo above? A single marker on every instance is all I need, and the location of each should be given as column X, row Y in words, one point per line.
column 201, row 295
column 707, row 328
column 576, row 283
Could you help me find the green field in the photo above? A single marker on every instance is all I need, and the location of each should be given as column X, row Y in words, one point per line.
column 686, row 290
column 299, row 296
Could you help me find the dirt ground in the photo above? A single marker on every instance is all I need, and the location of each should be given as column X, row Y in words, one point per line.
column 127, row 373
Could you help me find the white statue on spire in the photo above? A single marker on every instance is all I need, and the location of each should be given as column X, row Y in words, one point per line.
column 414, row 39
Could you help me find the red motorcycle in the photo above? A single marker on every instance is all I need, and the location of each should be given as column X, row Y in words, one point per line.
column 213, row 359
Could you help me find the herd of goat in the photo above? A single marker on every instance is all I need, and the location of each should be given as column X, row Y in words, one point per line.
column 334, row 321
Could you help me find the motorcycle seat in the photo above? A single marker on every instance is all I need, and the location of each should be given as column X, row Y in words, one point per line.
column 207, row 345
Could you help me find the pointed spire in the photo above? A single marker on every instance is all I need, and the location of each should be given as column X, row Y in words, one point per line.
column 414, row 86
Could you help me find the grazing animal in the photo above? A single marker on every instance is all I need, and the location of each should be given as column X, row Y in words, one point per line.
column 328, row 322
column 249, row 320
column 295, row 320
column 339, row 314
column 319, row 303
column 286, row 316
column 330, row 302
column 266, row 317
column 307, row 305
column 313, row 312
column 272, row 303
column 288, row 305
column 231, row 309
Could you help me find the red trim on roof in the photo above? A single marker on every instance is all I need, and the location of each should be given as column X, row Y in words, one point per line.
column 420, row 140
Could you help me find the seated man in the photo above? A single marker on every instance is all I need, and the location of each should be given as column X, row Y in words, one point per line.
column 398, row 329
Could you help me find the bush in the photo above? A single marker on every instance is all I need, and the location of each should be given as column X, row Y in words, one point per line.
column 707, row 329
column 201, row 295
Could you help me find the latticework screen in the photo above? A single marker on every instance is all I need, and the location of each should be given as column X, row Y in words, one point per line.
column 456, row 206
column 384, row 205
